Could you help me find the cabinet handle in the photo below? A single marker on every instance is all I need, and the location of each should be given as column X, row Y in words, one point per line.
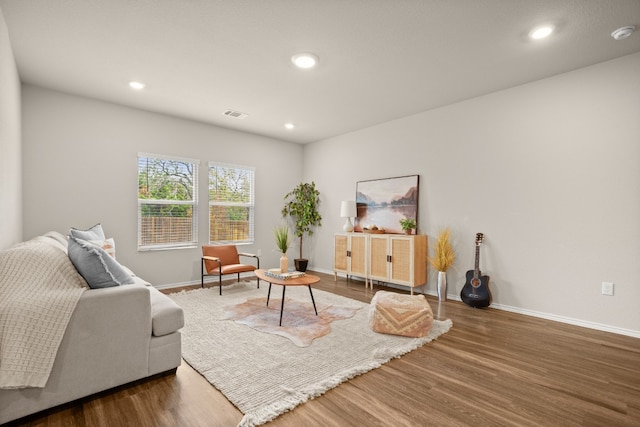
column 349, row 254
column 388, row 258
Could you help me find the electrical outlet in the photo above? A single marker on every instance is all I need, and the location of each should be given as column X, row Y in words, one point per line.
column 607, row 288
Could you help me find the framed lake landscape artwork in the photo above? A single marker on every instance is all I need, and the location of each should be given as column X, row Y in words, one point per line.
column 384, row 202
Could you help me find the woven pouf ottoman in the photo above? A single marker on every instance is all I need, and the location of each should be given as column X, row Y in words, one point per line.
column 399, row 314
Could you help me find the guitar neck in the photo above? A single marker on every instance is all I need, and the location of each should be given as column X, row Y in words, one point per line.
column 476, row 269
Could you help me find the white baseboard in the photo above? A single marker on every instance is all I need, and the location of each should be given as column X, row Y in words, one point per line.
column 518, row 310
column 197, row 282
column 539, row 314
column 569, row 320
column 176, row 285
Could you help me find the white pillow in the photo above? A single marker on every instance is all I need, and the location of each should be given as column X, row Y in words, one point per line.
column 109, row 245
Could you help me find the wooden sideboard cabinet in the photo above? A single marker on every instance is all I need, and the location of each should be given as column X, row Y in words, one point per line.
column 391, row 258
column 398, row 259
column 350, row 255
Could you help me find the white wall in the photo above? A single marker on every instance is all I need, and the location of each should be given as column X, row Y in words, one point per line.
column 10, row 154
column 548, row 171
column 80, row 168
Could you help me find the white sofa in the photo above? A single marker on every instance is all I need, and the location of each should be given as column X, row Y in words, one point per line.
column 116, row 335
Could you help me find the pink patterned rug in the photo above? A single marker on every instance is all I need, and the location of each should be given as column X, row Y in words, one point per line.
column 299, row 321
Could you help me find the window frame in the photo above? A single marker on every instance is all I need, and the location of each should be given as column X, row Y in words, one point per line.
column 186, row 244
column 251, row 204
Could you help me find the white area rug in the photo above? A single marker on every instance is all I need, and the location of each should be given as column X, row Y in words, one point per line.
column 265, row 375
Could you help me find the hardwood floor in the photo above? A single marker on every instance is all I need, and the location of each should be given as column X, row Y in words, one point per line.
column 492, row 368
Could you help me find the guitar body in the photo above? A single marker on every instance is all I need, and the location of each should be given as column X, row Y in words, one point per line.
column 476, row 296
column 475, row 292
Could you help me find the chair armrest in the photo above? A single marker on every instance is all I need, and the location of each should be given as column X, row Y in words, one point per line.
column 247, row 254
column 211, row 258
column 251, row 256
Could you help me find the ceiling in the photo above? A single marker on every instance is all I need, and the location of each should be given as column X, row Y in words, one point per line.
column 379, row 59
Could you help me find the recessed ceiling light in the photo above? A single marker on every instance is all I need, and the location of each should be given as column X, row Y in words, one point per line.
column 136, row 85
column 623, row 32
column 304, row 60
column 541, row 32
column 289, row 126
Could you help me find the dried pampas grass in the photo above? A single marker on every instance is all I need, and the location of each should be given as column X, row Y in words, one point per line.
column 444, row 253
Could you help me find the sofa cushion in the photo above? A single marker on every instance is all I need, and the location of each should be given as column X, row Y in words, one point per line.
column 167, row 316
column 57, row 236
column 57, row 239
column 94, row 233
column 98, row 268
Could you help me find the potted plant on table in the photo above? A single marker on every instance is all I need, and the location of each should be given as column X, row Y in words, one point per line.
column 281, row 233
column 408, row 224
column 301, row 204
column 443, row 259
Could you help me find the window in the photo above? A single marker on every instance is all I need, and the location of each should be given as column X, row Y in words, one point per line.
column 167, row 202
column 231, row 203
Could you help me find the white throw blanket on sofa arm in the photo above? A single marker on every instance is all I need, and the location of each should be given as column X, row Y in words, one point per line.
column 39, row 290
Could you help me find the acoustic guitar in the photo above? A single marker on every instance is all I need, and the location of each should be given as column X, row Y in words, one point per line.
column 475, row 292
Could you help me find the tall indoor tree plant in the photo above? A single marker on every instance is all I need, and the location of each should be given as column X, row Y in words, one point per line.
column 301, row 204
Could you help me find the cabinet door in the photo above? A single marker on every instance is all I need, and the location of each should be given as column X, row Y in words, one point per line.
column 358, row 252
column 340, row 253
column 401, row 249
column 378, row 260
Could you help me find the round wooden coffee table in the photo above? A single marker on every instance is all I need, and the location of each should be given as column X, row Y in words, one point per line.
column 306, row 280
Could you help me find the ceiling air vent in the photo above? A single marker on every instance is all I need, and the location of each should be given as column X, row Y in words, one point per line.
column 235, row 114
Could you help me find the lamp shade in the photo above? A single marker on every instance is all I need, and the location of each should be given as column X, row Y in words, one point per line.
column 348, row 209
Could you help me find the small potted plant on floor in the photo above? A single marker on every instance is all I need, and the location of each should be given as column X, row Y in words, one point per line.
column 408, row 225
column 301, row 204
column 281, row 233
column 443, row 259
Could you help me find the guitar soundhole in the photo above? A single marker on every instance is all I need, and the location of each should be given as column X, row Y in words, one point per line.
column 475, row 283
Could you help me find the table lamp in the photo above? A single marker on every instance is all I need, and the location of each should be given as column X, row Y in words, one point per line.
column 348, row 210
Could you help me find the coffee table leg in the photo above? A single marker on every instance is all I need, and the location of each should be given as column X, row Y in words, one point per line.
column 268, row 294
column 312, row 300
column 284, row 288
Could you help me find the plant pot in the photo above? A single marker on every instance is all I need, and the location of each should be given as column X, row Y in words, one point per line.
column 408, row 232
column 301, row 264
